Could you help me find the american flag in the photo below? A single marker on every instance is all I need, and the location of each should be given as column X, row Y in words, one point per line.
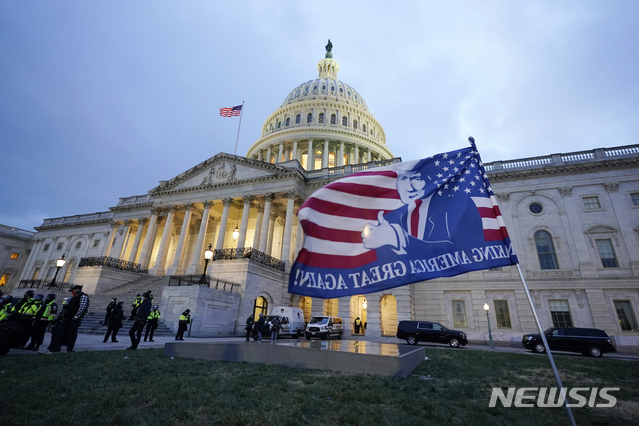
column 231, row 112
column 334, row 217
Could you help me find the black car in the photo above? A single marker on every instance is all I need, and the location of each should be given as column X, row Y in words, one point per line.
column 587, row 341
column 433, row 332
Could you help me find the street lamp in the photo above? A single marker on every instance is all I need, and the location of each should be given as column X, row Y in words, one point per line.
column 59, row 264
column 490, row 334
column 208, row 255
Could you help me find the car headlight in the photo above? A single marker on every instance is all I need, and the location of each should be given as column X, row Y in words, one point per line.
column 529, row 338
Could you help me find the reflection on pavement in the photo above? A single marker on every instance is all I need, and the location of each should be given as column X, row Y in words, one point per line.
column 354, row 346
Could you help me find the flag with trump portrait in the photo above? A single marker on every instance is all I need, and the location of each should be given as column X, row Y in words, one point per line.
column 409, row 222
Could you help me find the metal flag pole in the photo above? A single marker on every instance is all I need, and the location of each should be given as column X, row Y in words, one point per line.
column 238, row 129
column 471, row 140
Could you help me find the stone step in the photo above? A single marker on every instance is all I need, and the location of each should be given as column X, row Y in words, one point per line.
column 92, row 324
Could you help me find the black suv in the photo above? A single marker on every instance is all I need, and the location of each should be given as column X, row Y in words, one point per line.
column 433, row 332
column 588, row 341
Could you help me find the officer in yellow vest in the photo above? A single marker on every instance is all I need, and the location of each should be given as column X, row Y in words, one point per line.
column 45, row 314
column 152, row 323
column 183, row 324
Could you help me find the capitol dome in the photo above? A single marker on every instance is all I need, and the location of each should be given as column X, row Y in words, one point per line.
column 325, row 117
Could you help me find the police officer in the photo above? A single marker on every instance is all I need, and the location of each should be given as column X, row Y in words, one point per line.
column 27, row 299
column 5, row 307
column 141, row 315
column 27, row 315
column 115, row 322
column 183, row 324
column 67, row 331
column 111, row 306
column 358, row 325
column 136, row 305
column 152, row 323
column 45, row 314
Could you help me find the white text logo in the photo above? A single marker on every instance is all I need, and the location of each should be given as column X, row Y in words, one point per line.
column 553, row 397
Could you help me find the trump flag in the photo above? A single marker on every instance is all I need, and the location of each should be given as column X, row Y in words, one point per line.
column 396, row 225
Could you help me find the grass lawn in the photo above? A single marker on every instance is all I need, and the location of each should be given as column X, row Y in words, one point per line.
column 148, row 388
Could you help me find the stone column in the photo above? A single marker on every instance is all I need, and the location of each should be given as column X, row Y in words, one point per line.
column 248, row 201
column 288, row 226
column 341, row 153
column 195, row 268
column 356, row 155
column 627, row 232
column 107, row 246
column 177, row 268
column 300, row 233
column 259, row 155
column 258, row 227
column 268, row 154
column 280, row 151
column 310, row 158
column 158, row 268
column 369, row 155
column 147, row 246
column 325, row 154
column 271, row 231
column 138, row 237
column 224, row 221
column 120, row 242
column 580, row 247
column 295, row 154
column 265, row 221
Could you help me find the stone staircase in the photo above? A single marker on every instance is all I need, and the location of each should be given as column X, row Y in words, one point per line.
column 91, row 324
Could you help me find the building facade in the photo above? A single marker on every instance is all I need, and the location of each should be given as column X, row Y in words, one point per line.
column 573, row 219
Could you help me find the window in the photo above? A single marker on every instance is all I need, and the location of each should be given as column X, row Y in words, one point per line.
column 318, row 160
column 591, row 203
column 4, row 279
column 298, row 119
column 78, row 245
column 344, row 121
column 46, row 247
column 305, row 161
column 260, row 307
column 607, row 254
column 627, row 319
column 545, row 250
column 560, row 313
column 635, row 199
column 35, row 274
column 96, row 243
column 320, row 119
column 309, row 118
column 59, row 246
column 15, row 255
column 354, row 124
column 288, row 121
column 331, row 159
column 459, row 314
column 279, row 124
column 364, row 128
column 535, row 208
column 502, row 314
column 334, row 120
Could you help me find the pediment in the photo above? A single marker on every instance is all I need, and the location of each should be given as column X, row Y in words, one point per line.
column 601, row 229
column 220, row 169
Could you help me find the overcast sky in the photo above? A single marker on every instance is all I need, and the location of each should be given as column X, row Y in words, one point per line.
column 102, row 99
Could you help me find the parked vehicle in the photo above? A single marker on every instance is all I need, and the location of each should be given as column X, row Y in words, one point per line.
column 587, row 341
column 432, row 332
column 291, row 321
column 324, row 328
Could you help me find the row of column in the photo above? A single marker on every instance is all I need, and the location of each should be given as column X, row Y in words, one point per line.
column 354, row 152
column 121, row 233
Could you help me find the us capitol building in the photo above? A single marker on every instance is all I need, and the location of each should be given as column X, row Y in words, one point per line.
column 573, row 219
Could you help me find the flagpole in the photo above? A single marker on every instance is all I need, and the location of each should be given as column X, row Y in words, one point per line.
column 238, row 129
column 543, row 338
column 471, row 140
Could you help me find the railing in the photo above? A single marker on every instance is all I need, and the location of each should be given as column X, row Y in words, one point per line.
column 214, row 283
column 36, row 284
column 112, row 263
column 249, row 253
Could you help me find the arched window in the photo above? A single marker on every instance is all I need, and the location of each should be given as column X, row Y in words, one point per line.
column 354, row 124
column 364, row 128
column 288, row 121
column 344, row 121
column 298, row 119
column 331, row 159
column 546, row 250
column 318, row 160
column 279, row 124
column 309, row 117
column 260, row 307
column 305, row 160
column 333, row 119
column 320, row 119
column 345, row 159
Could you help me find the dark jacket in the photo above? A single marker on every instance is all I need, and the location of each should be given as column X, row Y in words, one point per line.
column 259, row 325
column 143, row 311
column 115, row 317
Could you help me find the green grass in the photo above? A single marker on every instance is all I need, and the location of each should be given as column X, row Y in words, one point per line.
column 148, row 388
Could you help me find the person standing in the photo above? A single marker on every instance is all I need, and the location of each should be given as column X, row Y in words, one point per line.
column 260, row 324
column 28, row 313
column 358, row 325
column 115, row 323
column 45, row 314
column 136, row 305
column 249, row 327
column 27, row 299
column 275, row 328
column 5, row 307
column 71, row 318
column 141, row 314
column 152, row 323
column 110, row 307
column 183, row 324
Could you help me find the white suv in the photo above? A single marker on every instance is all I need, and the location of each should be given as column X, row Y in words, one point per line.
column 324, row 328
